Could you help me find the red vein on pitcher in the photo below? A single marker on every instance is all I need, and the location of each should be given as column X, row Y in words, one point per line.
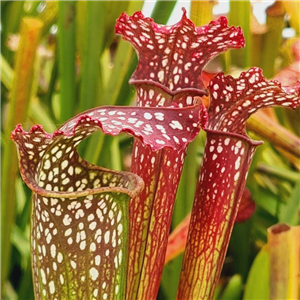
column 80, row 211
column 171, row 59
column 228, row 155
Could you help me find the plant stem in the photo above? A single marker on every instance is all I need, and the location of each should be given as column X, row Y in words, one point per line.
column 66, row 36
column 90, row 76
column 18, row 108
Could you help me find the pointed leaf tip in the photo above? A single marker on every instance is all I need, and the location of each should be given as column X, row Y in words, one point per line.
column 233, row 100
column 173, row 57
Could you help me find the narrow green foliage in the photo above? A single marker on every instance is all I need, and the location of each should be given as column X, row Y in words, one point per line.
column 233, row 289
column 90, row 76
column 6, row 73
column 201, row 12
column 82, row 64
column 162, row 11
column 18, row 109
column 117, row 89
column 272, row 38
column 66, row 45
column 289, row 213
column 239, row 249
column 11, row 16
column 240, row 15
column 258, row 289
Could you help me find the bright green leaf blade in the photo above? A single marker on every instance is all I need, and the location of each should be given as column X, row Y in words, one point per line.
column 26, row 285
column 20, row 241
column 239, row 248
column 90, row 76
column 162, row 11
column 239, row 15
column 11, row 16
column 112, row 11
column 289, row 213
column 278, row 172
column 202, row 12
column 18, row 109
column 66, row 44
column 6, row 73
column 115, row 93
column 273, row 38
column 254, row 288
column 233, row 289
column 39, row 115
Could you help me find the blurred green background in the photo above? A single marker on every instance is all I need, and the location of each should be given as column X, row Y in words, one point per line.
column 59, row 58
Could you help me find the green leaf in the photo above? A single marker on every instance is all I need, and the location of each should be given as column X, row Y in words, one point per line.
column 162, row 11
column 17, row 112
column 254, row 288
column 233, row 289
column 20, row 241
column 66, row 44
column 11, row 16
column 6, row 73
column 239, row 15
column 273, row 38
column 289, row 212
column 115, row 92
column 90, row 76
column 38, row 114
